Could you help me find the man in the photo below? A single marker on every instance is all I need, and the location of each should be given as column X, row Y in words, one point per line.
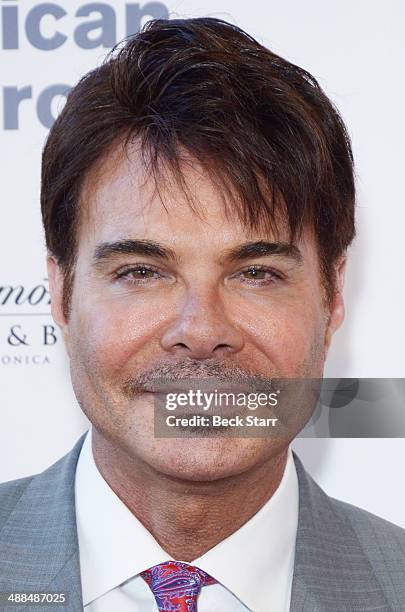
column 198, row 203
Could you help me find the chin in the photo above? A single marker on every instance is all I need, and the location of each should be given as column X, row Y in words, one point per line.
column 207, row 459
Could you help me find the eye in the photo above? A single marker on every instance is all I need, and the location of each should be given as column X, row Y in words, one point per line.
column 138, row 274
column 259, row 275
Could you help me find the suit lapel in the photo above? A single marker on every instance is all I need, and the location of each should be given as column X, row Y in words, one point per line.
column 39, row 539
column 331, row 570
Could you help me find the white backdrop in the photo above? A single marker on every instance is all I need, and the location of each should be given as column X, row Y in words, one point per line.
column 355, row 48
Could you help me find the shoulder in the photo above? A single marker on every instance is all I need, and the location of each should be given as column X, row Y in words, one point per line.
column 40, row 493
column 350, row 554
column 383, row 544
column 10, row 493
column 378, row 536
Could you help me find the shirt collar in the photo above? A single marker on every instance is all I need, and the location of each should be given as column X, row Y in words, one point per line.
column 255, row 563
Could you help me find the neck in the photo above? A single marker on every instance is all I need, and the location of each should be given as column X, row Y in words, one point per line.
column 187, row 518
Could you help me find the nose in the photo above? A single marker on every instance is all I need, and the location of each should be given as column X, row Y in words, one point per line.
column 201, row 330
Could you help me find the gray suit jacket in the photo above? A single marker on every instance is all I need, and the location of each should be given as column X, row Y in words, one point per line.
column 346, row 559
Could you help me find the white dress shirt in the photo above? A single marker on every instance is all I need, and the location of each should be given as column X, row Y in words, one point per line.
column 253, row 566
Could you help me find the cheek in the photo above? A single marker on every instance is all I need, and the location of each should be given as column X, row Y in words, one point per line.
column 106, row 336
column 290, row 334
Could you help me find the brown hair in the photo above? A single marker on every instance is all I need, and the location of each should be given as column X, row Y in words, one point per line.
column 259, row 123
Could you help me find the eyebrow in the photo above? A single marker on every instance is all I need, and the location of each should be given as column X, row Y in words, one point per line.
column 107, row 250
column 261, row 248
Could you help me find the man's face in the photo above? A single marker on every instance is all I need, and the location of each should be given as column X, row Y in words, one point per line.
column 194, row 300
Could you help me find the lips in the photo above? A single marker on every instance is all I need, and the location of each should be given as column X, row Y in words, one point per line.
column 203, row 385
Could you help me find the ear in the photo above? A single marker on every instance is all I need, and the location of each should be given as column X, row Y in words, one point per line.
column 56, row 279
column 337, row 309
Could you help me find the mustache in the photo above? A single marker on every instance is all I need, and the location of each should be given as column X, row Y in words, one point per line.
column 188, row 373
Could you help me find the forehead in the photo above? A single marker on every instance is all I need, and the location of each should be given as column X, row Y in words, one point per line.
column 120, row 198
